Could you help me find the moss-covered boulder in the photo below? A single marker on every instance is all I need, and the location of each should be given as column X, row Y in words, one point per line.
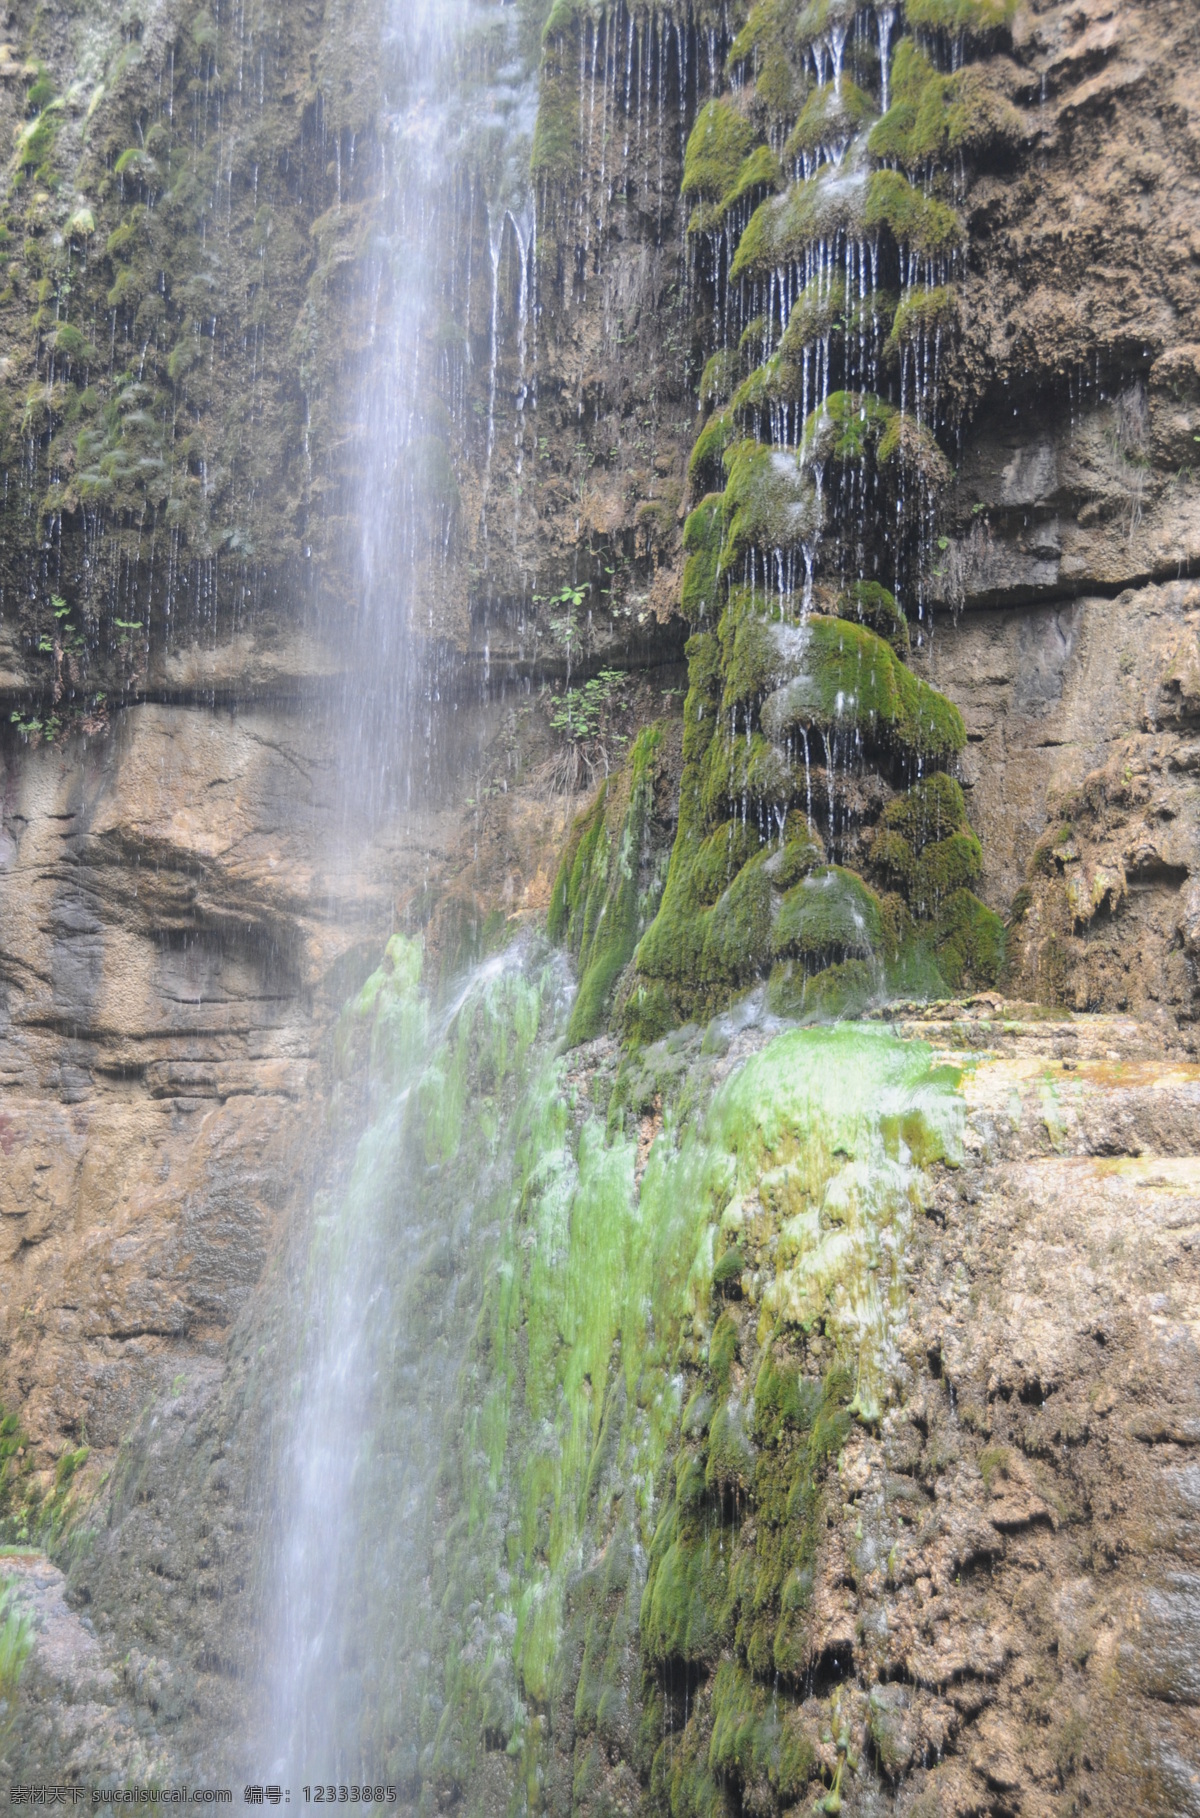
column 606, row 892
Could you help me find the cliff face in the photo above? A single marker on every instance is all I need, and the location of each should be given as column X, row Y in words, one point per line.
column 998, row 1615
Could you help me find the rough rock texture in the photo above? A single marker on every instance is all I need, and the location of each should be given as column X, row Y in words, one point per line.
column 1008, row 1571
column 1080, row 775
column 182, row 920
column 1018, row 1546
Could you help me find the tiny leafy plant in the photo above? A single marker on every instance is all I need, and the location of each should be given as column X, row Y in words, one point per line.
column 16, row 1640
column 564, row 625
column 582, row 713
column 587, row 718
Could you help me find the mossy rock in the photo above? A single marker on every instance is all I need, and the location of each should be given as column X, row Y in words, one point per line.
column 844, row 674
column 683, row 1614
column 703, row 534
column 913, row 219
column 597, row 908
column 776, row 381
column 738, row 928
column 910, row 445
column 737, row 773
column 705, row 463
column 832, row 115
column 816, row 313
column 928, row 812
column 921, row 315
column 978, row 18
column 760, row 171
column 925, row 843
column 846, row 426
column 873, row 605
column 722, row 855
column 720, row 378
column 716, row 150
column 970, row 941
column 934, row 117
column 830, row 912
column 782, row 228
column 770, row 503
column 847, row 989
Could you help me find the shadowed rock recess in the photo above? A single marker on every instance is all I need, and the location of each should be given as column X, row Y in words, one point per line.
column 602, row 942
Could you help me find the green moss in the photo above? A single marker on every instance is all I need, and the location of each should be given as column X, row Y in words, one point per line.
column 573, row 1443
column 815, row 17
column 720, row 378
column 598, row 908
column 925, row 843
column 915, row 130
column 970, row 941
column 911, row 445
column 830, row 912
column 761, row 169
column 777, row 379
column 913, row 218
column 729, row 1267
column 723, row 1350
column 556, row 152
column 765, row 47
column 702, row 539
column 36, row 140
column 842, row 673
column 721, row 857
column 832, row 115
column 875, row 606
column 846, row 425
column 797, row 1758
column 713, row 440
column 815, row 314
column 737, row 929
column 716, row 150
column 746, row 1728
column 783, row 227
column 979, row 17
column 769, row 501
column 923, row 314
column 739, row 774
column 683, row 1613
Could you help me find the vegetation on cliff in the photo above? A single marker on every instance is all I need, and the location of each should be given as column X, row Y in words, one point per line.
column 673, row 1338
column 827, row 279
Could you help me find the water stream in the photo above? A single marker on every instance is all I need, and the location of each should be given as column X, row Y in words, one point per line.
column 385, row 1305
column 450, row 207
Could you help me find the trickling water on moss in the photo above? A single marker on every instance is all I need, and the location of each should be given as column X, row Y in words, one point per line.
column 581, row 1344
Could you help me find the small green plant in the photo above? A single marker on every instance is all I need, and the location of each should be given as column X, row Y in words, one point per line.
column 583, row 713
column 564, row 628
column 16, row 1640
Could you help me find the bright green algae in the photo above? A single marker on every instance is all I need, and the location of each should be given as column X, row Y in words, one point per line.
column 598, row 908
column 637, row 1437
column 635, row 1456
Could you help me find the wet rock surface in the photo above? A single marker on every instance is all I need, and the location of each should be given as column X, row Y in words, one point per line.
column 182, row 924
column 1079, row 774
column 1005, row 1578
column 1008, row 1575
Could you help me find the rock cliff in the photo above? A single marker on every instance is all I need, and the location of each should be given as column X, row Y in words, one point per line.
column 973, row 1588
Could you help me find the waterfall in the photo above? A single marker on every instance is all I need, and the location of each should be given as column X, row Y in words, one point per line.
column 374, row 1362
column 437, row 306
column 438, row 233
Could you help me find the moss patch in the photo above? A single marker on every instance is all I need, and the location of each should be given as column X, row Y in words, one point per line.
column 601, row 901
